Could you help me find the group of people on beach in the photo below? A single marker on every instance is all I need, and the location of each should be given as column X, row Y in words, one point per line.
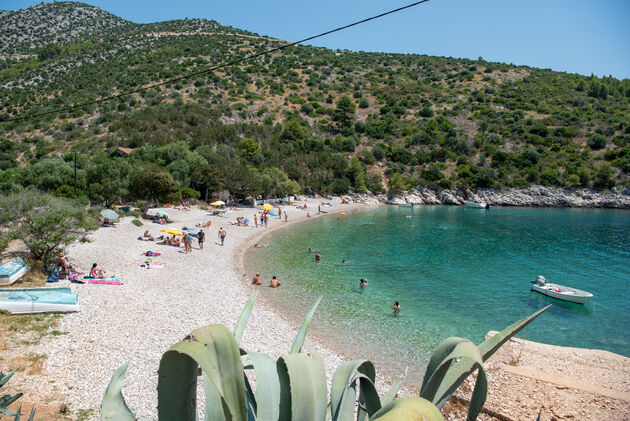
column 274, row 283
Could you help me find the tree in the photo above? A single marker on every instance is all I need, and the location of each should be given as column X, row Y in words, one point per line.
column 344, row 113
column 45, row 223
column 107, row 179
column 154, row 185
column 356, row 174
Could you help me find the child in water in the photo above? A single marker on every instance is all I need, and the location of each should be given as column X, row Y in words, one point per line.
column 396, row 308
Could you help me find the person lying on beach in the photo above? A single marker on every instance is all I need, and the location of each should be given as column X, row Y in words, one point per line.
column 148, row 235
column 396, row 308
column 256, row 280
column 97, row 272
column 260, row 246
column 363, row 283
column 274, row 282
column 204, row 225
column 177, row 242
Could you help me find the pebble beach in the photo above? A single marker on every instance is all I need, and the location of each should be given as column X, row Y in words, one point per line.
column 138, row 321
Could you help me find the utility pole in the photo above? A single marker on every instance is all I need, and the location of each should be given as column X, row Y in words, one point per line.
column 75, row 173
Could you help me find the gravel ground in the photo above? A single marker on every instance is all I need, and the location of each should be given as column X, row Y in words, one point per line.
column 154, row 308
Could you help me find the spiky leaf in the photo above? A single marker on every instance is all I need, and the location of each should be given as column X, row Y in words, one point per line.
column 267, row 387
column 307, row 383
column 301, row 335
column 114, row 406
column 215, row 350
column 344, row 387
column 239, row 329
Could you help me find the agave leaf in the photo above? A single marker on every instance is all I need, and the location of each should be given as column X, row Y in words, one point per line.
column 32, row 416
column 18, row 414
column 437, row 357
column 216, row 351
column 6, row 411
column 410, row 408
column 5, row 377
column 391, row 393
column 344, row 388
column 455, row 368
column 285, row 390
column 301, row 335
column 491, row 345
column 267, row 387
column 114, row 406
column 307, row 381
column 239, row 329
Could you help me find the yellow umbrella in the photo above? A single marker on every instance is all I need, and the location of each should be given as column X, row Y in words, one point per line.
column 171, row 231
column 267, row 206
column 218, row 203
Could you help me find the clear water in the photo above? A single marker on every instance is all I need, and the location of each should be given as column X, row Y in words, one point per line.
column 456, row 272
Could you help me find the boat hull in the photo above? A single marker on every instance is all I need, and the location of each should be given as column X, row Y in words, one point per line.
column 38, row 300
column 12, row 271
column 475, row 205
column 561, row 292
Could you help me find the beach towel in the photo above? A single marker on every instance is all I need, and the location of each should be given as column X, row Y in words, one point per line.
column 108, row 281
column 151, row 265
column 150, row 253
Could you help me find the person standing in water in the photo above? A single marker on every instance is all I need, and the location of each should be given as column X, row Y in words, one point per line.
column 363, row 283
column 318, row 256
column 396, row 308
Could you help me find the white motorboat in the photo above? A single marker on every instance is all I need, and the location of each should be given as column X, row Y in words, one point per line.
column 477, row 205
column 560, row 292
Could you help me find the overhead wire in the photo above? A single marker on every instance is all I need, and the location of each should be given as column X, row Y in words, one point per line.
column 211, row 69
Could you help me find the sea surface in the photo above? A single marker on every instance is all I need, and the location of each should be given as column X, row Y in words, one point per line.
column 456, row 272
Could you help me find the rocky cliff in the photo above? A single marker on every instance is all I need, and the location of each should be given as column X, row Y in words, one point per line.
column 533, row 196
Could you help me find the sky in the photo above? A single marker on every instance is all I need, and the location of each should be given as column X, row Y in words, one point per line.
column 575, row 36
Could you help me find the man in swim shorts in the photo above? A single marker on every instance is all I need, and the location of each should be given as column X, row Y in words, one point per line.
column 222, row 235
column 201, row 236
column 274, row 282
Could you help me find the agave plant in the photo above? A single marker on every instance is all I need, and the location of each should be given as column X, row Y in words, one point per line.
column 294, row 387
column 7, row 400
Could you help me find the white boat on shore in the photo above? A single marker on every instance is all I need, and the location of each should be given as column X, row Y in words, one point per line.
column 477, row 205
column 38, row 300
column 12, row 270
column 560, row 292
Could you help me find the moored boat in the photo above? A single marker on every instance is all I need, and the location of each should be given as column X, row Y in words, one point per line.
column 560, row 292
column 477, row 205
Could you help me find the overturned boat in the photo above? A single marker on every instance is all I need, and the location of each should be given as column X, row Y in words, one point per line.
column 38, row 300
column 560, row 292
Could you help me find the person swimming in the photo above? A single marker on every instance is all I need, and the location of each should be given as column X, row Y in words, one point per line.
column 396, row 308
column 363, row 283
column 318, row 256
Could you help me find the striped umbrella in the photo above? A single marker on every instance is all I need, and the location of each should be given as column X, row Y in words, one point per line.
column 109, row 214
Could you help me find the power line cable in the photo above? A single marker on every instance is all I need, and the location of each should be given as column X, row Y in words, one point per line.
column 229, row 63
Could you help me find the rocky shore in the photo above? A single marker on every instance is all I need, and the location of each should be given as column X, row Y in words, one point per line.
column 536, row 196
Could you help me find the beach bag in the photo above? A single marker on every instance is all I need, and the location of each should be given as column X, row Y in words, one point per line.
column 54, row 276
column 72, row 276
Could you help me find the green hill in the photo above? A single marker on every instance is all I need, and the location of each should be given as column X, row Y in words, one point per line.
column 303, row 119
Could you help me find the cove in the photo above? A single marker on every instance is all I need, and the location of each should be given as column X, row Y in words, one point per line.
column 456, row 272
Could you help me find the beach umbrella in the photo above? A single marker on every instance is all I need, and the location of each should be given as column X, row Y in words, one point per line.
column 218, row 203
column 171, row 231
column 162, row 213
column 267, row 206
column 109, row 214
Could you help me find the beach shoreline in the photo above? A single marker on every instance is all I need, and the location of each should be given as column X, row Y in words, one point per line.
column 153, row 309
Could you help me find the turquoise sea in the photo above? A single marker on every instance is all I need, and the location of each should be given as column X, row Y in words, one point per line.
column 456, row 272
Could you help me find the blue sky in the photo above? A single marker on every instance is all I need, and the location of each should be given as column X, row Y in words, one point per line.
column 576, row 36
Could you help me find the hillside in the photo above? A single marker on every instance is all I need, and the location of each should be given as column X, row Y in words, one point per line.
column 304, row 119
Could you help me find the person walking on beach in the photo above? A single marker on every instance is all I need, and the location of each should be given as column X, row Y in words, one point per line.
column 319, row 209
column 187, row 243
column 266, row 219
column 274, row 282
column 201, row 237
column 255, row 221
column 285, row 217
column 396, row 308
column 222, row 235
